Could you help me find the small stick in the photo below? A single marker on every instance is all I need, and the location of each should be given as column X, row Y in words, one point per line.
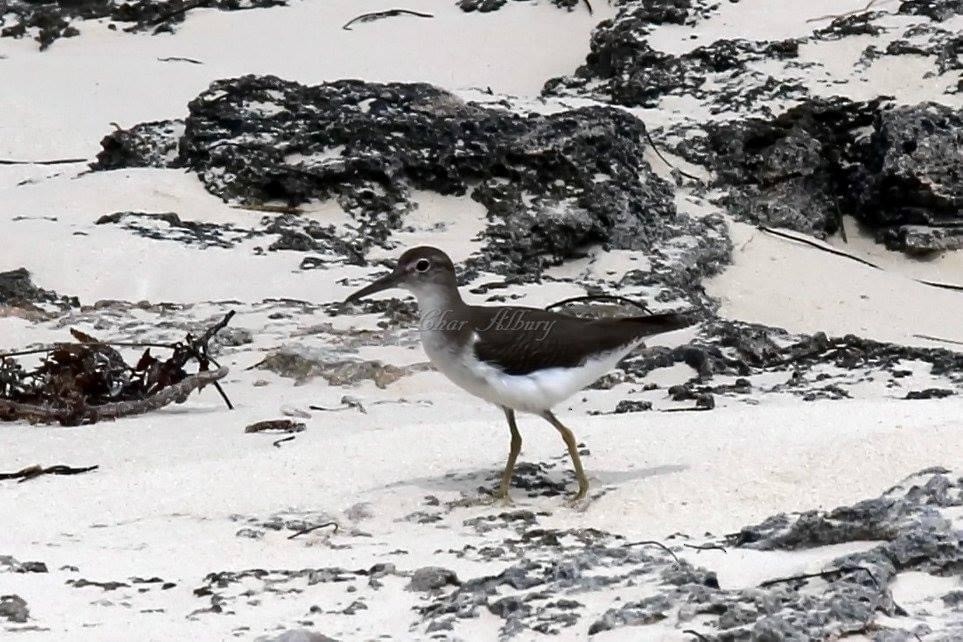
column 31, row 472
column 277, row 444
column 180, row 59
column 60, row 161
column 375, row 15
column 650, row 542
column 706, row 547
column 589, row 5
column 818, row 246
column 648, row 137
column 823, row 574
column 304, row 531
column 695, row 634
column 931, row 338
column 830, row 250
column 599, row 297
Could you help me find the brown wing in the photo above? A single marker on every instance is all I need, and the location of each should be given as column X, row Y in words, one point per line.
column 521, row 340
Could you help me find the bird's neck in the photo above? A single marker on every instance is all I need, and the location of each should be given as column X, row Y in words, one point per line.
column 440, row 308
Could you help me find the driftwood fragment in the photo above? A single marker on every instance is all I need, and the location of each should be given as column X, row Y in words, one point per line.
column 59, row 161
column 177, row 392
column 88, row 380
column 706, row 547
column 389, row 13
column 31, row 472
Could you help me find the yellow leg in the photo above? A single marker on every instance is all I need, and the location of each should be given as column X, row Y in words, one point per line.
column 512, row 456
column 569, row 438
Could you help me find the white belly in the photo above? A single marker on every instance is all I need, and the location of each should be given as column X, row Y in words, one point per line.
column 535, row 392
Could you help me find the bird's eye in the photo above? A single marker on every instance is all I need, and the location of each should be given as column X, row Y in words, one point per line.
column 422, row 265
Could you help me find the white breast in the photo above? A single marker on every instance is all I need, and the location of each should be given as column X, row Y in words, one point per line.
column 534, row 392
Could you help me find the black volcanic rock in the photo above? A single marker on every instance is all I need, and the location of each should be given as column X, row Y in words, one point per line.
column 938, row 10
column 18, row 290
column 48, row 21
column 623, row 69
column 554, row 185
column 897, row 169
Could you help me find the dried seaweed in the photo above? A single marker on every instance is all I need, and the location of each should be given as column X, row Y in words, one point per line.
column 88, row 380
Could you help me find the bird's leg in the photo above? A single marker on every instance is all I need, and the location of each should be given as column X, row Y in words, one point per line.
column 512, row 456
column 569, row 439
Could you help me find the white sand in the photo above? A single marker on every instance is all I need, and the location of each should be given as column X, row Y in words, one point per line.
column 169, row 483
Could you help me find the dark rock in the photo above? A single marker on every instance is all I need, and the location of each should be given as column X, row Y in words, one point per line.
column 168, row 226
column 49, row 21
column 805, row 168
column 622, row 68
column 648, row 611
column 930, row 393
column 485, row 6
column 627, row 405
column 857, row 24
column 14, row 609
column 152, row 144
column 276, row 426
column 553, row 185
column 9, row 564
column 938, row 10
column 432, row 578
column 106, row 586
column 18, row 290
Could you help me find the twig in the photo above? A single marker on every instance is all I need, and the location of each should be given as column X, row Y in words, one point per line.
column 389, row 13
column 277, row 444
column 706, row 547
column 55, row 346
column 818, row 246
column 59, row 161
column 834, row 251
column 589, row 5
column 651, row 542
column 193, row 61
column 693, row 409
column 930, row 338
column 30, row 472
column 599, row 297
column 868, row 6
column 822, row 574
column 305, row 531
column 695, row 634
column 648, row 137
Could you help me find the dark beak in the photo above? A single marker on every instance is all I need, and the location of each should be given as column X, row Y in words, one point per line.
column 386, row 282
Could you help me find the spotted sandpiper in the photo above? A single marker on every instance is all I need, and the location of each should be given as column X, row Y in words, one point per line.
column 520, row 359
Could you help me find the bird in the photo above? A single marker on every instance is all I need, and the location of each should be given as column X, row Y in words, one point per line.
column 521, row 359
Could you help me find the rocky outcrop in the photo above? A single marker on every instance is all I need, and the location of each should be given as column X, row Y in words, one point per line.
column 47, row 22
column 553, row 185
column 895, row 169
column 548, row 573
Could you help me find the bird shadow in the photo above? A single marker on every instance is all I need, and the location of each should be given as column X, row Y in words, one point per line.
column 534, row 479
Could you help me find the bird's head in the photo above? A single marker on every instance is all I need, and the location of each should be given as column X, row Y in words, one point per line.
column 421, row 270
